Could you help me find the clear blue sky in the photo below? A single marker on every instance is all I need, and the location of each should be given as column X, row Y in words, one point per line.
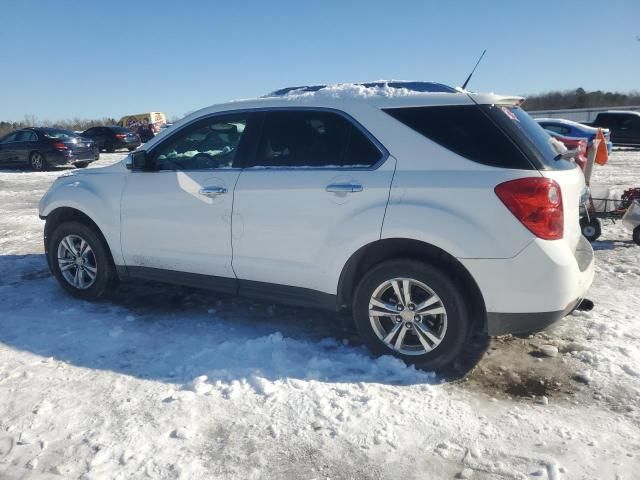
column 63, row 59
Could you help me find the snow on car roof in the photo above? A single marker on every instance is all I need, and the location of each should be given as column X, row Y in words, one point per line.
column 379, row 88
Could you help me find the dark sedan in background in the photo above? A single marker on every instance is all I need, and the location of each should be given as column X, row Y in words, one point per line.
column 39, row 148
column 112, row 138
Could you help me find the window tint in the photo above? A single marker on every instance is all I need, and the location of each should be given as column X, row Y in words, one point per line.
column 307, row 138
column 10, row 138
column 530, row 137
column 59, row 134
column 24, row 136
column 607, row 119
column 495, row 135
column 465, row 130
column 210, row 144
column 562, row 130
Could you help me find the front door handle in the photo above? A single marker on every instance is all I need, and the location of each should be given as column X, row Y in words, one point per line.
column 344, row 187
column 212, row 192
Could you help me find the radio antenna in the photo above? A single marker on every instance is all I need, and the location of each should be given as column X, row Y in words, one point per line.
column 464, row 85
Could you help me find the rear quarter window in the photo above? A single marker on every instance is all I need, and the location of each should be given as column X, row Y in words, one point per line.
column 465, row 130
column 498, row 136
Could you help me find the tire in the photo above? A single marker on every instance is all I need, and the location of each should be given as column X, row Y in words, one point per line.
column 81, row 165
column 449, row 323
column 81, row 285
column 591, row 228
column 37, row 161
column 636, row 235
column 109, row 147
column 131, row 149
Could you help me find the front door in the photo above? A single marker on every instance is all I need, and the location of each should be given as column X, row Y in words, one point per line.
column 317, row 186
column 176, row 219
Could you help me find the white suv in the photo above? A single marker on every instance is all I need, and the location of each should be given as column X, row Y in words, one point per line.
column 428, row 212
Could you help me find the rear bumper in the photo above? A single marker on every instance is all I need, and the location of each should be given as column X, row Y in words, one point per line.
column 60, row 158
column 539, row 286
column 128, row 144
column 520, row 323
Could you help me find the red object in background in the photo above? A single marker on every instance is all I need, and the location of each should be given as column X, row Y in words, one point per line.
column 59, row 145
column 579, row 144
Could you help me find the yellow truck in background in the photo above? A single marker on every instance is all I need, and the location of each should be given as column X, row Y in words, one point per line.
column 144, row 124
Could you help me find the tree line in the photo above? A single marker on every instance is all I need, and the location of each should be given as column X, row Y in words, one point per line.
column 580, row 98
column 74, row 124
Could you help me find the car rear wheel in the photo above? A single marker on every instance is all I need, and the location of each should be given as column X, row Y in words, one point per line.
column 81, row 165
column 413, row 311
column 79, row 259
column 37, row 161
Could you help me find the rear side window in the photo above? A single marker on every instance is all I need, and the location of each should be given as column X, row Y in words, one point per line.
column 312, row 139
column 498, row 136
column 465, row 130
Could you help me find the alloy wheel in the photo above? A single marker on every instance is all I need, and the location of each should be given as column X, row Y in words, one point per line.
column 77, row 262
column 408, row 316
column 36, row 161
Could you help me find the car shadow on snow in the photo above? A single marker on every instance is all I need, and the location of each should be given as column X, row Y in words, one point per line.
column 175, row 334
column 612, row 244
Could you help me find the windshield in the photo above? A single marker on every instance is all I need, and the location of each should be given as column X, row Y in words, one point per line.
column 528, row 135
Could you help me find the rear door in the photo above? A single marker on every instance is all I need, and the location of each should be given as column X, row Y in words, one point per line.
column 317, row 185
column 629, row 131
column 27, row 143
column 612, row 122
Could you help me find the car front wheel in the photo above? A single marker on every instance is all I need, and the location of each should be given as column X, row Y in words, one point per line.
column 80, row 261
column 413, row 311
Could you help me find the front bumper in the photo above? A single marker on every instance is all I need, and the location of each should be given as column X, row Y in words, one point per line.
column 534, row 289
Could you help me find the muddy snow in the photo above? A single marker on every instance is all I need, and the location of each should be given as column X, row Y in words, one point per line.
column 168, row 382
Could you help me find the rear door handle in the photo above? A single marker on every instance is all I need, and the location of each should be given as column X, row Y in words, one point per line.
column 212, row 191
column 344, row 187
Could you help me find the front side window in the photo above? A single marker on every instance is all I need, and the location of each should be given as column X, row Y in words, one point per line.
column 210, row 144
column 312, row 139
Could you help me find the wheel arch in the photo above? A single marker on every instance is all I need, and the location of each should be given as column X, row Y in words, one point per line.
column 65, row 214
column 386, row 249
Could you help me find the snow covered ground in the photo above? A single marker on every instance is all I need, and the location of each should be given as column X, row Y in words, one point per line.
column 167, row 382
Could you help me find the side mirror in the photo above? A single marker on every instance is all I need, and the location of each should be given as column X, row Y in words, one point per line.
column 138, row 160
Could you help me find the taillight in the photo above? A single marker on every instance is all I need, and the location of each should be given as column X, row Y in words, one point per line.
column 582, row 147
column 121, row 135
column 59, row 146
column 537, row 203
